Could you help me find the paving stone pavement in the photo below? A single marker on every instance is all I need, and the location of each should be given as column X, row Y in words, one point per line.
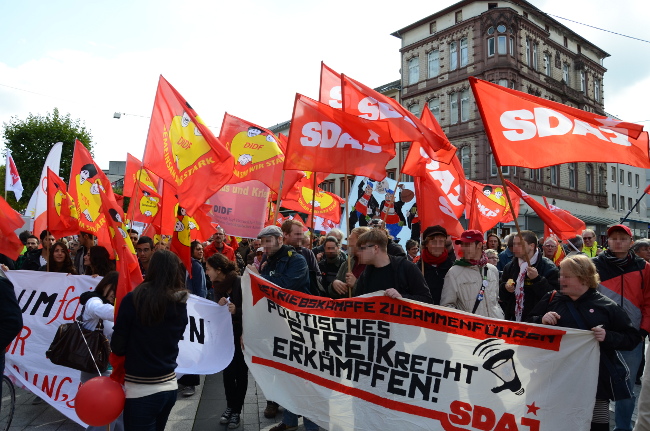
column 200, row 412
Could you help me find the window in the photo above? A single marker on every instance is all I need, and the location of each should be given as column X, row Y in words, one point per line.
column 629, row 204
column 414, row 70
column 453, row 108
column 432, row 27
column 512, row 46
column 565, row 73
column 493, row 166
column 492, row 5
column 528, row 59
column 613, row 174
column 554, row 175
column 415, row 109
column 459, row 16
column 621, row 177
column 636, row 180
column 535, row 65
column 327, row 186
column 463, row 52
column 531, row 174
column 579, row 49
column 637, row 209
column 490, row 46
column 464, row 160
column 572, row 175
column 538, row 175
column 597, row 90
column 583, row 83
column 505, row 83
column 566, row 42
column 390, row 173
column 464, row 105
column 453, row 56
column 434, row 106
column 433, row 59
column 502, row 44
column 547, row 64
column 601, row 181
column 629, row 179
column 588, row 177
column 505, row 170
column 614, row 201
column 622, row 200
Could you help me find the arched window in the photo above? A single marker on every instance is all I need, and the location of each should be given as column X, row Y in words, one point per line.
column 465, row 161
column 464, row 56
column 572, row 175
column 589, row 178
column 433, row 60
column 434, row 106
column 415, row 109
column 453, row 56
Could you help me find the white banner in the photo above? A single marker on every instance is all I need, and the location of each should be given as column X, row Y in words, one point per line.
column 378, row 363
column 49, row 299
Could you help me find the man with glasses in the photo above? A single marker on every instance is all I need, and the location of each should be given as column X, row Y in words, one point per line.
column 472, row 284
column 395, row 275
column 590, row 247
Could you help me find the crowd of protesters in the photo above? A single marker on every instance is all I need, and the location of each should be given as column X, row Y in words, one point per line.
column 520, row 278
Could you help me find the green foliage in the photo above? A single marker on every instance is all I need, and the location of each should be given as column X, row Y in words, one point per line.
column 30, row 141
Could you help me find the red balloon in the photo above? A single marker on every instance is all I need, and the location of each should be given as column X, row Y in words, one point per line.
column 99, row 401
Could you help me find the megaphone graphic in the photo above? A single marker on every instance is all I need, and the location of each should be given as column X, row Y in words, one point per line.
column 502, row 365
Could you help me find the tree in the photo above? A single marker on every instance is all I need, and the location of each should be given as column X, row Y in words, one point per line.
column 30, row 141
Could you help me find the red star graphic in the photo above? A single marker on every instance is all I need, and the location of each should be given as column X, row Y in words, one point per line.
column 532, row 408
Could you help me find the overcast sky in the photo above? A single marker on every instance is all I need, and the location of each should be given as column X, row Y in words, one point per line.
column 93, row 58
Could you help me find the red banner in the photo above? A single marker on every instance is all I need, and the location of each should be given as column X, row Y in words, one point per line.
column 573, row 221
column 529, row 131
column 10, row 221
column 496, row 194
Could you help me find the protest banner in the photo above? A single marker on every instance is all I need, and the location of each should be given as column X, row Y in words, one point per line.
column 50, row 299
column 240, row 208
column 375, row 362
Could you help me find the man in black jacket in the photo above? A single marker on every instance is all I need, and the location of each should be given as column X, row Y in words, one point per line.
column 393, row 274
column 436, row 259
column 11, row 318
column 522, row 285
column 332, row 260
column 34, row 259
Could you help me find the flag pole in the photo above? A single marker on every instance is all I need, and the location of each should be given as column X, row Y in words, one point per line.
column 505, row 190
column 6, row 171
column 277, row 203
column 622, row 220
column 347, row 227
column 313, row 210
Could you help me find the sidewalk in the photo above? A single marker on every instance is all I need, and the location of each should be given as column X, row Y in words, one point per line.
column 200, row 412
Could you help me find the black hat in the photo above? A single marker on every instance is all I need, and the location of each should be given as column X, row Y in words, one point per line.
column 434, row 230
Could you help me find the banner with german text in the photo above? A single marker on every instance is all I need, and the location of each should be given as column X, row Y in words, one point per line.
column 240, row 209
column 50, row 299
column 374, row 362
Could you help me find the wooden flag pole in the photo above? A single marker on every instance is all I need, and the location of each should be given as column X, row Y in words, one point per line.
column 313, row 209
column 505, row 190
column 277, row 203
column 347, row 228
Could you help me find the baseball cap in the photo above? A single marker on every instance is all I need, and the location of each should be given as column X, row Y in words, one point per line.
column 470, row 236
column 620, row 227
column 270, row 231
column 434, row 230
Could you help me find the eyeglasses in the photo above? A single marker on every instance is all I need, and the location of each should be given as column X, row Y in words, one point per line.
column 363, row 247
column 587, row 237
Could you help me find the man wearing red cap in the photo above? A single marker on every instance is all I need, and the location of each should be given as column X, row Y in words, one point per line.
column 472, row 284
column 625, row 278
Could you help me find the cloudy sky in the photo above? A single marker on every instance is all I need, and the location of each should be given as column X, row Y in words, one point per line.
column 93, row 58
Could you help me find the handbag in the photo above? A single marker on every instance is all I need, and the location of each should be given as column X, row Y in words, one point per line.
column 619, row 373
column 75, row 347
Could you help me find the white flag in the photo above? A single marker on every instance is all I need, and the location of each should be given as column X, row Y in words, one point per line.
column 38, row 202
column 12, row 179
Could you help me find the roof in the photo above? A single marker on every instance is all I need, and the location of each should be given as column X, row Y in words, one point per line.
column 395, row 85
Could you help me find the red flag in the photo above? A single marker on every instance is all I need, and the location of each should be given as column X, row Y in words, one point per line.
column 10, row 221
column 181, row 238
column 647, row 190
column 495, row 193
column 300, row 198
column 529, row 131
column 257, row 152
column 134, row 172
column 325, row 139
column 183, row 151
column 578, row 225
column 126, row 264
column 484, row 213
column 87, row 180
column 146, row 207
column 62, row 218
column 203, row 221
column 559, row 227
column 439, row 187
column 342, row 92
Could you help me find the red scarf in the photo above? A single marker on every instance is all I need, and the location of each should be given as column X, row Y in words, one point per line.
column 433, row 260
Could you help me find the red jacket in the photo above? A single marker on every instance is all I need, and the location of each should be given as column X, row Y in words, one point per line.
column 227, row 251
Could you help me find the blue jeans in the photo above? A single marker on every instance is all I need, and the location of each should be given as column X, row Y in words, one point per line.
column 148, row 413
column 291, row 419
column 625, row 408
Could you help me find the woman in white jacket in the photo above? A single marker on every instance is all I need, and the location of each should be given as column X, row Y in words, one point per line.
column 98, row 306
